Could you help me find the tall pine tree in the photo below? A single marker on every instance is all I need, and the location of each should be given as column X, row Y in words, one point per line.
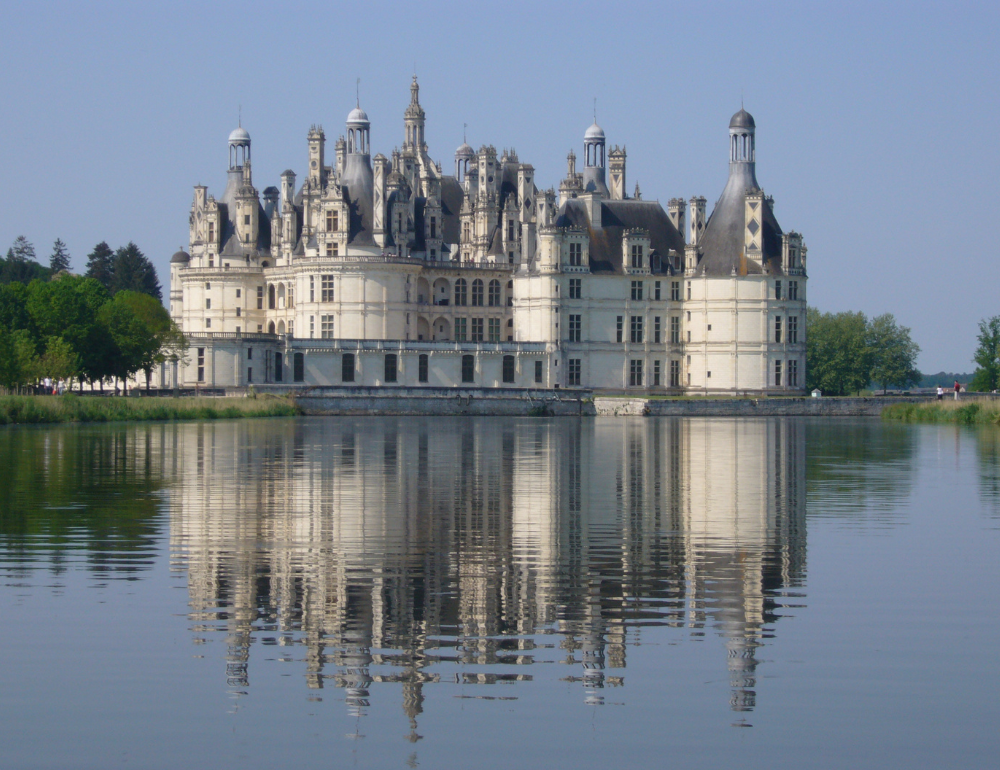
column 100, row 264
column 59, row 260
column 132, row 271
column 22, row 250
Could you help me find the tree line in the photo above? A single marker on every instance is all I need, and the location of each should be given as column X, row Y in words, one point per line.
column 122, row 269
column 848, row 352
column 107, row 325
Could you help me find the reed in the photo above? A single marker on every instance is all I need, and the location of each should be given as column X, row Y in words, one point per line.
column 73, row 408
column 967, row 411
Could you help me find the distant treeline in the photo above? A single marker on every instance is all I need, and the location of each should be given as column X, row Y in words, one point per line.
column 107, row 325
column 944, row 379
column 122, row 269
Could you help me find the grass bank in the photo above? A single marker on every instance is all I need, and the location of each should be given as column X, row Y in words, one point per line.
column 970, row 411
column 73, row 408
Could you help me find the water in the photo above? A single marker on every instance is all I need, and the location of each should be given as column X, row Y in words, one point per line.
column 387, row 592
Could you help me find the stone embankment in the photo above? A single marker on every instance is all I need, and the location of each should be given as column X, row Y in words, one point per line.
column 512, row 402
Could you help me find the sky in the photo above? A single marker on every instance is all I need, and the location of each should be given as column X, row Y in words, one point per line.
column 878, row 124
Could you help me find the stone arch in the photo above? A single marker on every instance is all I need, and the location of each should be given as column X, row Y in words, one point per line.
column 270, row 297
column 423, row 291
column 270, row 328
column 441, row 329
column 423, row 329
column 281, row 327
column 442, row 292
column 281, row 296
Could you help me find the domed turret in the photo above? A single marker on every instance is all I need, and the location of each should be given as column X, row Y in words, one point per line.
column 239, row 147
column 594, row 132
column 742, row 119
column 464, row 156
column 593, row 160
column 358, row 129
column 180, row 257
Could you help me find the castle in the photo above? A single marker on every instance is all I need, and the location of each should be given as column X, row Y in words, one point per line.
column 385, row 271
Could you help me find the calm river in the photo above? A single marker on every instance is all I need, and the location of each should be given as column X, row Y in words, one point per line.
column 500, row 593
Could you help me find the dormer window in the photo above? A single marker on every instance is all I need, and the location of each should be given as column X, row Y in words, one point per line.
column 575, row 254
column 637, row 255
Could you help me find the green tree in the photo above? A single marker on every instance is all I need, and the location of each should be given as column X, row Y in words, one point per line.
column 59, row 260
column 20, row 265
column 132, row 271
column 22, row 250
column 69, row 307
column 166, row 340
column 59, row 361
column 135, row 342
column 838, row 357
column 987, row 357
column 100, row 264
column 892, row 353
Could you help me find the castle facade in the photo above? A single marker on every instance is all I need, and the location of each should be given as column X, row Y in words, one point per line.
column 386, row 271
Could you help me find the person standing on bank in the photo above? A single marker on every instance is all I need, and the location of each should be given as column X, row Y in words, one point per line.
column 957, row 388
column 940, row 392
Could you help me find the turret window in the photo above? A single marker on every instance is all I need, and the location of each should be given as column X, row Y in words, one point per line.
column 635, row 373
column 675, row 291
column 575, row 254
column 777, row 289
column 260, row 297
column 675, row 329
column 635, row 330
column 793, row 290
column 326, row 327
column 636, row 290
column 434, row 227
column 575, row 288
column 510, row 229
column 326, row 288
column 246, row 219
column 332, row 221
column 793, row 336
column 575, row 325
column 619, row 328
column 777, row 328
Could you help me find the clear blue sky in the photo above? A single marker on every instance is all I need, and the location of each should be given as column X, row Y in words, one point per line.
column 878, row 124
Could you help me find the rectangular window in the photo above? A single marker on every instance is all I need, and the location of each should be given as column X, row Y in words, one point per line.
column 260, row 328
column 675, row 329
column 675, row 374
column 434, row 227
column 249, row 354
column 237, row 329
column 461, row 329
column 291, row 328
column 312, row 288
column 468, row 368
column 574, row 371
column 211, row 232
column 635, row 328
column 575, row 254
column 656, row 374
column 675, row 291
column 260, row 297
column 326, row 288
column 239, row 293
column 793, row 373
column 332, row 221
column 636, row 255
column 635, row 373
column 509, row 369
column 636, row 290
column 208, row 323
column 538, row 372
column 312, row 327
column 391, row 367
column 793, row 332
column 575, row 324
column 201, row 364
column 326, row 327
column 777, row 289
column 347, row 367
column 510, row 229
column 777, row 373
column 689, row 289
column 656, row 290
column 249, row 374
column 477, row 329
column 777, row 328
column 299, row 367
column 620, row 327
column 494, row 329
column 422, row 368
column 238, row 309
column 208, row 303
column 793, row 290
column 575, row 288
column 656, row 330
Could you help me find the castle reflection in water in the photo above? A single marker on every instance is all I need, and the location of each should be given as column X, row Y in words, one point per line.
column 420, row 551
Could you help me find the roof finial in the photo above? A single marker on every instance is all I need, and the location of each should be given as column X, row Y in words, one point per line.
column 239, row 121
column 595, row 109
column 357, row 93
column 465, row 126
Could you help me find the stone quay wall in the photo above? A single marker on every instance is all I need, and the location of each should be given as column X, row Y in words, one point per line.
column 514, row 402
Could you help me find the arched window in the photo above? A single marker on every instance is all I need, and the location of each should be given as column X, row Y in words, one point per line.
column 461, row 292
column 494, row 293
column 270, row 297
column 477, row 292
